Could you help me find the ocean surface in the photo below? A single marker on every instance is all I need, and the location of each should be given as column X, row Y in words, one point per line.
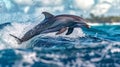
column 98, row 46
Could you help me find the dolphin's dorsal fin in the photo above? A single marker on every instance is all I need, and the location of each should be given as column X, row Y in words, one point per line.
column 61, row 31
column 70, row 30
column 47, row 15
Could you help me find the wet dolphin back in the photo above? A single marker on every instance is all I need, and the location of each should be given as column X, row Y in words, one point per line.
column 37, row 29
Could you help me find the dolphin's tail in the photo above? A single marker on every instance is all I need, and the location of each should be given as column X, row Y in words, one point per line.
column 19, row 41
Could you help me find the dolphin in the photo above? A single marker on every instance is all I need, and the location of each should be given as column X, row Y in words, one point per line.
column 51, row 23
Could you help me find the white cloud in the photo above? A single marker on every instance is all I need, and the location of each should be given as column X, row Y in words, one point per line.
column 26, row 9
column 2, row 7
column 24, row 2
column 108, row 1
column 8, row 4
column 39, row 10
column 116, row 3
column 101, row 8
column 84, row 4
column 56, row 6
column 50, row 2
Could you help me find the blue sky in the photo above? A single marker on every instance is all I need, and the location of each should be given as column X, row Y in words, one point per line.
column 77, row 7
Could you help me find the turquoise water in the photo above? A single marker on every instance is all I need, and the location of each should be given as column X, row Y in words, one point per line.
column 98, row 46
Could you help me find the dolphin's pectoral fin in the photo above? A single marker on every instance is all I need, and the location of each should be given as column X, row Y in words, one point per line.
column 61, row 31
column 70, row 30
column 47, row 15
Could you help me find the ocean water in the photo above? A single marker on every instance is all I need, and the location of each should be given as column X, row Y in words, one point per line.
column 98, row 46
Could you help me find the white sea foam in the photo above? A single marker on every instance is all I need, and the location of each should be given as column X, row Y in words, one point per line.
column 115, row 50
column 27, row 57
column 17, row 29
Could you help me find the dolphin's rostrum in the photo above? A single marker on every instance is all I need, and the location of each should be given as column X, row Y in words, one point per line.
column 51, row 23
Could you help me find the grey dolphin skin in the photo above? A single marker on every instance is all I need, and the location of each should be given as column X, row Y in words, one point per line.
column 51, row 23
